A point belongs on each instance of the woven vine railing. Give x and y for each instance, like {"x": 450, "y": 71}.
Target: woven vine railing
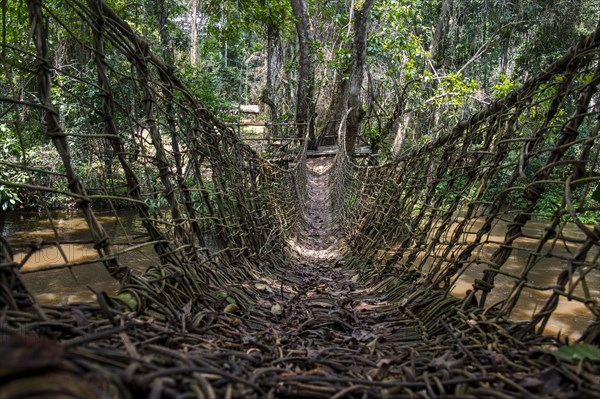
{"x": 409, "y": 307}
{"x": 142, "y": 140}
{"x": 519, "y": 177}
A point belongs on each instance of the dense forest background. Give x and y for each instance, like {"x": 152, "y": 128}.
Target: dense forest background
{"x": 400, "y": 71}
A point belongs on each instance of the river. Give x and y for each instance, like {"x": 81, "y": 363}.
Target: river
{"x": 570, "y": 317}
{"x": 64, "y": 287}
{"x": 55, "y": 287}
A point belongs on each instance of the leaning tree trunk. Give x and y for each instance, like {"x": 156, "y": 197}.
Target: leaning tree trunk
{"x": 357, "y": 114}
{"x": 305, "y": 101}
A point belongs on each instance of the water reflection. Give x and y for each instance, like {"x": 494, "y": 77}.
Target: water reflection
{"x": 571, "y": 317}
{"x": 63, "y": 286}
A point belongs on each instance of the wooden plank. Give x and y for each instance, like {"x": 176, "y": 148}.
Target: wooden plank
{"x": 324, "y": 151}
{"x": 331, "y": 150}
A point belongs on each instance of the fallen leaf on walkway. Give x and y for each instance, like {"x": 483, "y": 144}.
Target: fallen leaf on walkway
{"x": 318, "y": 371}
{"x": 321, "y": 303}
{"x": 372, "y": 345}
{"x": 230, "y": 300}
{"x": 263, "y": 287}
{"x": 382, "y": 370}
{"x": 276, "y": 309}
{"x": 578, "y": 352}
{"x": 231, "y": 308}
{"x": 446, "y": 361}
{"x": 361, "y": 335}
{"x": 263, "y": 303}
{"x": 187, "y": 309}
{"x": 531, "y": 382}
{"x": 364, "y": 306}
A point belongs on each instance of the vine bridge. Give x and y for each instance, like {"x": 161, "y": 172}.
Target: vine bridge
{"x": 331, "y": 279}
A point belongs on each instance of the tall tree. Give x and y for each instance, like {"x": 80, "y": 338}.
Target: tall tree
{"x": 346, "y": 98}
{"x": 194, "y": 33}
{"x": 162, "y": 15}
{"x": 268, "y": 95}
{"x": 356, "y": 113}
{"x": 438, "y": 45}
{"x": 305, "y": 101}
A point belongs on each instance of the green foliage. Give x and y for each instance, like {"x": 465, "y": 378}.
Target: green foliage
{"x": 10, "y": 150}
{"x": 40, "y": 154}
{"x": 578, "y": 352}
{"x": 129, "y": 299}
{"x": 210, "y": 84}
{"x": 454, "y": 90}
{"x": 9, "y": 196}
{"x": 504, "y": 86}
{"x": 341, "y": 60}
{"x": 398, "y": 40}
{"x": 156, "y": 204}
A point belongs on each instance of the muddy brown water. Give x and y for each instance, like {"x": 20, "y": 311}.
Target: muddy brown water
{"x": 63, "y": 287}
{"x": 570, "y": 317}
{"x": 55, "y": 287}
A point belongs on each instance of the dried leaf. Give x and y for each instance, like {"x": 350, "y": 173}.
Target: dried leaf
{"x": 382, "y": 370}
{"x": 276, "y": 309}
{"x": 372, "y": 345}
{"x": 187, "y": 309}
{"x": 364, "y": 306}
{"x": 447, "y": 362}
{"x": 231, "y": 308}
{"x": 361, "y": 335}
{"x": 263, "y": 287}
{"x": 531, "y": 382}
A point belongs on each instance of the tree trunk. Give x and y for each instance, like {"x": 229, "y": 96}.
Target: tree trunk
{"x": 194, "y": 33}
{"x": 269, "y": 95}
{"x": 3, "y": 54}
{"x": 38, "y": 28}
{"x": 305, "y": 101}
{"x": 356, "y": 115}
{"x": 167, "y": 94}
{"x": 162, "y": 17}
{"x": 339, "y": 103}
{"x": 400, "y": 126}
{"x": 438, "y": 42}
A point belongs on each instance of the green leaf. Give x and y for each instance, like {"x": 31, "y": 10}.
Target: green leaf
{"x": 230, "y": 300}
{"x": 220, "y": 294}
{"x": 578, "y": 352}
{"x": 129, "y": 300}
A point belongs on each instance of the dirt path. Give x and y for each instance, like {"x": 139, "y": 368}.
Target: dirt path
{"x": 315, "y": 245}
{"x": 330, "y": 333}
